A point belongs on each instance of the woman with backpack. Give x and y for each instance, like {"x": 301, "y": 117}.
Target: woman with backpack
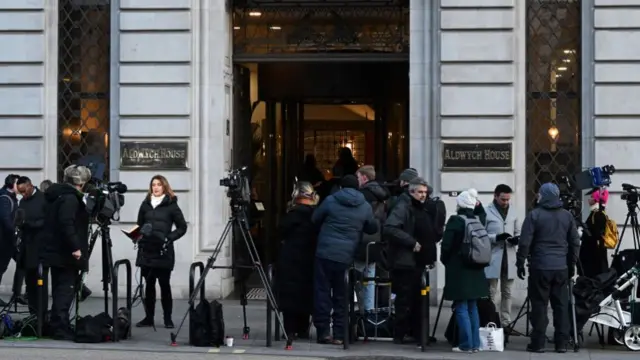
{"x": 464, "y": 284}
{"x": 158, "y": 213}
{"x": 593, "y": 252}
{"x": 294, "y": 274}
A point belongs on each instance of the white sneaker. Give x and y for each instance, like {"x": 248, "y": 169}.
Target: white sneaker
{"x": 457, "y": 349}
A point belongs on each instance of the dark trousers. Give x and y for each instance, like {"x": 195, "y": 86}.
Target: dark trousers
{"x": 163, "y": 276}
{"x": 7, "y": 250}
{"x": 296, "y": 324}
{"x": 63, "y": 281}
{"x": 549, "y": 286}
{"x": 31, "y": 279}
{"x": 406, "y": 286}
{"x": 329, "y": 291}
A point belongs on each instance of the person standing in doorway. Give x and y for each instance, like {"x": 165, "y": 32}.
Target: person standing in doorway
{"x": 158, "y": 213}
{"x": 503, "y": 229}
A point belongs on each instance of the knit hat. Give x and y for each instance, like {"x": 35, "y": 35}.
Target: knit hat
{"x": 349, "y": 182}
{"x": 408, "y": 175}
{"x": 467, "y": 199}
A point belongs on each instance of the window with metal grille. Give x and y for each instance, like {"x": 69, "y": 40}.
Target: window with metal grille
{"x": 553, "y": 92}
{"x": 83, "y": 82}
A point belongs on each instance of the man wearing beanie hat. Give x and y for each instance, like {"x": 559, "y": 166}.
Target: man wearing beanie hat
{"x": 342, "y": 219}
{"x": 401, "y": 185}
{"x": 550, "y": 240}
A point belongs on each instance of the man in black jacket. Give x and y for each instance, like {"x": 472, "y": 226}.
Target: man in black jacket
{"x": 409, "y": 233}
{"x": 550, "y": 240}
{"x": 8, "y": 207}
{"x": 67, "y": 229}
{"x": 32, "y": 207}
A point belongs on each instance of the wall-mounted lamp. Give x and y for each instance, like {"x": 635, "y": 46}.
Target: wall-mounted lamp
{"x": 553, "y": 133}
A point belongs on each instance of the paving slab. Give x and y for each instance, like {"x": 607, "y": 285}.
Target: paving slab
{"x": 147, "y": 343}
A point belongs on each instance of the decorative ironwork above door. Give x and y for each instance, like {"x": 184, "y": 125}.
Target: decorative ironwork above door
{"x": 277, "y": 31}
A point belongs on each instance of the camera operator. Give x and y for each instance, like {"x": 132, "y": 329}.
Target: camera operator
{"x": 8, "y": 207}
{"x": 158, "y": 213}
{"x": 65, "y": 244}
{"x": 32, "y": 206}
{"x": 549, "y": 238}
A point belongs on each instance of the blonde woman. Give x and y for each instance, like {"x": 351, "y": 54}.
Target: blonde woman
{"x": 295, "y": 266}
{"x": 158, "y": 213}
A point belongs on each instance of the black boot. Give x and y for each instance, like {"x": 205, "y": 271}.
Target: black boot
{"x": 150, "y": 310}
{"x": 167, "y": 308}
{"x": 168, "y": 323}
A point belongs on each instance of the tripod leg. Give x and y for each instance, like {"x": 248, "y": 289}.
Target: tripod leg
{"x": 196, "y": 290}
{"x": 243, "y": 301}
{"x": 255, "y": 258}
{"x": 435, "y": 325}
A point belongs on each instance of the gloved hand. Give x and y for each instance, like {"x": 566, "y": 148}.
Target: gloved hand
{"x": 572, "y": 271}
{"x": 514, "y": 240}
{"x": 521, "y": 272}
{"x": 502, "y": 237}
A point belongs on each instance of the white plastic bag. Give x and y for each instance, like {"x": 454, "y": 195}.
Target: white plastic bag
{"x": 491, "y": 338}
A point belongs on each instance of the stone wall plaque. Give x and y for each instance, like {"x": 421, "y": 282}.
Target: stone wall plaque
{"x": 477, "y": 155}
{"x": 154, "y": 155}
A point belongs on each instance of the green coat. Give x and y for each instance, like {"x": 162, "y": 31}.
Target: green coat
{"x": 461, "y": 281}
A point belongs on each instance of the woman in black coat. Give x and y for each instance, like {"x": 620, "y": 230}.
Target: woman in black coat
{"x": 294, "y": 274}
{"x": 156, "y": 256}
{"x": 593, "y": 253}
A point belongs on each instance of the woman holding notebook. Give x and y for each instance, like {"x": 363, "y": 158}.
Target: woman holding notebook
{"x": 158, "y": 213}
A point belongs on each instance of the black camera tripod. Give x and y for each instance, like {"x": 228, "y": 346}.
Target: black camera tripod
{"x": 238, "y": 218}
{"x": 631, "y": 219}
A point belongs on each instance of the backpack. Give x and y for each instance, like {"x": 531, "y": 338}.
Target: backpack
{"x": 94, "y": 329}
{"x": 476, "y": 245}
{"x": 216, "y": 323}
{"x": 199, "y": 326}
{"x": 610, "y": 237}
{"x": 438, "y": 212}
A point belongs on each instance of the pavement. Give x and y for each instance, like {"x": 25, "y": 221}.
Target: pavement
{"x": 149, "y": 344}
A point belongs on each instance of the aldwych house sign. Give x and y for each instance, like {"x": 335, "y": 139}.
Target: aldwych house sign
{"x": 477, "y": 156}
{"x": 153, "y": 155}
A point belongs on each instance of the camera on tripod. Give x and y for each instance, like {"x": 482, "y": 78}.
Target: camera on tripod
{"x": 630, "y": 194}
{"x": 104, "y": 200}
{"x": 237, "y": 185}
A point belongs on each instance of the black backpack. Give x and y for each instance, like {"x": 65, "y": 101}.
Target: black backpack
{"x": 207, "y": 324}
{"x": 438, "y": 212}
{"x": 94, "y": 329}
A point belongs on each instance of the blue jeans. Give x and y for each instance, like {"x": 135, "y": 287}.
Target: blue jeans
{"x": 367, "y": 292}
{"x": 468, "y": 324}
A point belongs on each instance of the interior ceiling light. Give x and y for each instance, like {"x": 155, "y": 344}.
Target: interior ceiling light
{"x": 275, "y": 28}
{"x": 562, "y": 68}
{"x": 566, "y": 60}
{"x": 569, "y": 51}
{"x": 236, "y": 28}
{"x": 255, "y": 13}
{"x": 553, "y": 132}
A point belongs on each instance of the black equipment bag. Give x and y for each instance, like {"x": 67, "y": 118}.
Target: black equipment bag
{"x": 207, "y": 324}
{"x": 217, "y": 323}
{"x": 486, "y": 311}
{"x": 94, "y": 329}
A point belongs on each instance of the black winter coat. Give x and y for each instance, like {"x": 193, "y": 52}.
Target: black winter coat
{"x": 8, "y": 207}
{"x": 156, "y": 250}
{"x": 66, "y": 228}
{"x": 400, "y": 233}
{"x": 593, "y": 253}
{"x": 32, "y": 228}
{"x": 294, "y": 274}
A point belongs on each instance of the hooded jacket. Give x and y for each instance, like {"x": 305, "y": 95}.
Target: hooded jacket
{"x": 34, "y": 217}
{"x": 342, "y": 218}
{"x": 66, "y": 227}
{"x": 549, "y": 235}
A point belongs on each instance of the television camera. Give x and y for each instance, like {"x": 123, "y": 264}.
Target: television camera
{"x": 630, "y": 195}
{"x": 104, "y": 200}
{"x": 237, "y": 184}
